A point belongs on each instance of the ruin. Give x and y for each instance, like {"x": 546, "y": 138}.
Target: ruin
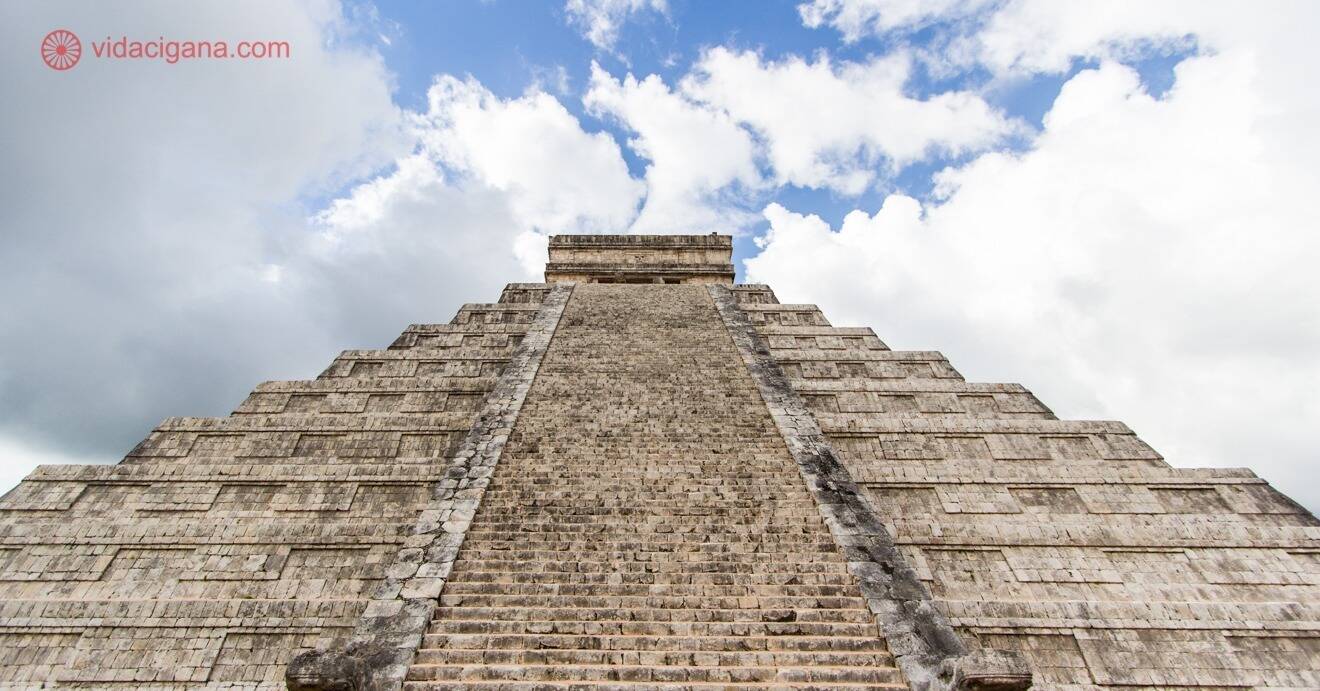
{"x": 641, "y": 475}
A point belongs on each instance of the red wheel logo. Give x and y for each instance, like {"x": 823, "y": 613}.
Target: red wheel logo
{"x": 61, "y": 49}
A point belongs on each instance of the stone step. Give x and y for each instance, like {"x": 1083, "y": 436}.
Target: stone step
{"x": 584, "y": 520}
{"x": 752, "y": 463}
{"x": 717, "y": 434}
{"x": 636, "y": 449}
{"x": 643, "y": 590}
{"x": 697, "y": 481}
{"x": 707, "y": 658}
{"x": 701, "y": 556}
{"x": 803, "y": 524}
{"x": 663, "y": 543}
{"x": 831, "y": 564}
{"x": 654, "y": 673}
{"x": 701, "y": 472}
{"x": 702, "y": 601}
{"x": 692, "y": 554}
{"x": 622, "y": 517}
{"x": 610, "y": 537}
{"x": 588, "y": 525}
{"x": 758, "y": 476}
{"x": 624, "y": 505}
{"x": 542, "y": 685}
{"x": 588, "y": 514}
{"x": 705, "y": 434}
{"x": 792, "y": 502}
{"x": 728, "y": 644}
{"x": 839, "y": 578}
{"x": 615, "y": 491}
{"x": 686, "y": 535}
{"x": 561, "y": 435}
{"x": 615, "y": 480}
{"x": 654, "y": 628}
{"x": 637, "y": 489}
{"x": 510, "y": 612}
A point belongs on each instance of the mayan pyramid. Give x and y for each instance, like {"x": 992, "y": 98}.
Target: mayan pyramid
{"x": 638, "y": 475}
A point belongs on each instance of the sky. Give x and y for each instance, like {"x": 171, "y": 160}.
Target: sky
{"x": 1111, "y": 203}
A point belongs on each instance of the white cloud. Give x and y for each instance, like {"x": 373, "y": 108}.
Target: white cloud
{"x": 555, "y": 80}
{"x": 860, "y": 115}
{"x": 558, "y": 177}
{"x": 408, "y": 247}
{"x": 1149, "y": 260}
{"x": 366, "y": 205}
{"x": 1016, "y": 37}
{"x": 858, "y": 18}
{"x": 599, "y": 20}
{"x": 706, "y": 140}
{"x": 1027, "y": 36}
{"x": 490, "y": 180}
{"x": 696, "y": 154}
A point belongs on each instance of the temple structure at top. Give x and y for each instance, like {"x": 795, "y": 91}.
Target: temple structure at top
{"x": 640, "y": 259}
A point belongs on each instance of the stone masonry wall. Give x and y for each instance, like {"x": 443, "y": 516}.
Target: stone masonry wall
{"x": 1072, "y": 542}
{"x": 220, "y": 547}
{"x": 642, "y": 486}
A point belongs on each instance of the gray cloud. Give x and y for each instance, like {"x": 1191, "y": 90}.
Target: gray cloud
{"x": 142, "y": 203}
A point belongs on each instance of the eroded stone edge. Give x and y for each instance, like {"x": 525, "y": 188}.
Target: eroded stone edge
{"x": 400, "y": 610}
{"x": 928, "y": 650}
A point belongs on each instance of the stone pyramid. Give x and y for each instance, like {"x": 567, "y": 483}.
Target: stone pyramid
{"x": 639, "y": 475}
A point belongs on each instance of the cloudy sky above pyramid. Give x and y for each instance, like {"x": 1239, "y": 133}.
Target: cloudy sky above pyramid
{"x": 1112, "y": 203}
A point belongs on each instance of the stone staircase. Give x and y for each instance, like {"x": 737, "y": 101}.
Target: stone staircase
{"x": 646, "y": 526}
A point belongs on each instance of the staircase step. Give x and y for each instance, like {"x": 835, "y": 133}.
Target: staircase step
{"x": 702, "y": 601}
{"x": 575, "y": 685}
{"x": 650, "y": 614}
{"x": 732, "y": 644}
{"x": 656, "y": 628}
{"x": 718, "y": 658}
{"x": 571, "y": 541}
{"x": 652, "y": 673}
{"x": 692, "y": 554}
{"x": 745, "y": 566}
{"x": 642, "y": 590}
{"x": 840, "y": 578}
